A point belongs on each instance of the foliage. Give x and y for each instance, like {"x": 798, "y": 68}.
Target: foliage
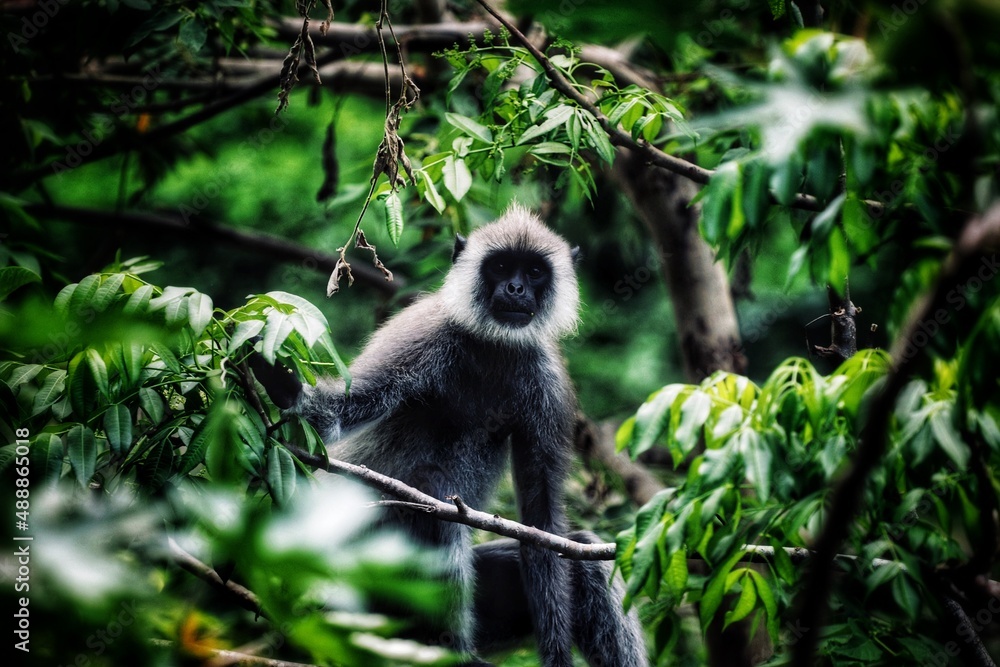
{"x": 145, "y": 400}
{"x": 760, "y": 462}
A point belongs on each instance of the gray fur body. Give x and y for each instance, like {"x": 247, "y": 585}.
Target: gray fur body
{"x": 442, "y": 398}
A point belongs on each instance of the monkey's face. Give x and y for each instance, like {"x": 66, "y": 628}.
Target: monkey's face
{"x": 515, "y": 285}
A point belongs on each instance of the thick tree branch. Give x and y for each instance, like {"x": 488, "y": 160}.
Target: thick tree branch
{"x": 978, "y": 235}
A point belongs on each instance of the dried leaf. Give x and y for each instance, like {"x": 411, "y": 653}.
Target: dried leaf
{"x": 362, "y": 244}
{"x": 341, "y": 270}
{"x": 303, "y": 45}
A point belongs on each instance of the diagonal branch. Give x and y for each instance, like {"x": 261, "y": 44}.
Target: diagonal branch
{"x": 619, "y": 137}
{"x": 979, "y": 234}
{"x": 455, "y": 513}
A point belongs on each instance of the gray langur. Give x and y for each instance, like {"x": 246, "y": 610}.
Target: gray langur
{"x": 442, "y": 397}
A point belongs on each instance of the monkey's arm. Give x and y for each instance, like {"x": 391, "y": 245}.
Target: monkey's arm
{"x": 327, "y": 406}
{"x": 539, "y": 460}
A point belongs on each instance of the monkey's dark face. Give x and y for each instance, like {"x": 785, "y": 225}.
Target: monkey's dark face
{"x": 515, "y": 284}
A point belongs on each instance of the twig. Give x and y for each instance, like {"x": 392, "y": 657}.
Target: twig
{"x": 227, "y": 657}
{"x": 459, "y": 512}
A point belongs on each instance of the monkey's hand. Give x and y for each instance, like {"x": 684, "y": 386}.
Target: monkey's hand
{"x": 282, "y": 385}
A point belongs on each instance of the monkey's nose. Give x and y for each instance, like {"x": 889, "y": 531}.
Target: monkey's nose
{"x": 515, "y": 288}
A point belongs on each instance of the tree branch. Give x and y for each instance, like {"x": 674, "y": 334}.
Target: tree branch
{"x": 244, "y": 596}
{"x": 274, "y": 247}
{"x": 464, "y": 514}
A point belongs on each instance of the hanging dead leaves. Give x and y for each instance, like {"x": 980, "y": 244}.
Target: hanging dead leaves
{"x": 391, "y": 153}
{"x": 302, "y": 47}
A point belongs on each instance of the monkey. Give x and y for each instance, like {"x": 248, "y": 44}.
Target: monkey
{"x": 450, "y": 391}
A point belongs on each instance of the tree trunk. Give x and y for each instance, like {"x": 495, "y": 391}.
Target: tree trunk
{"x": 698, "y": 285}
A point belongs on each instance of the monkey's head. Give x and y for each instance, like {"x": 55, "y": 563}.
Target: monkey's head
{"x": 513, "y": 281}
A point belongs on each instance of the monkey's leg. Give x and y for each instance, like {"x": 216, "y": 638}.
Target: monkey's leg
{"x": 605, "y": 635}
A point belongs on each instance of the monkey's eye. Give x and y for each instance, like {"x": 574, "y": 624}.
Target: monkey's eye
{"x": 535, "y": 271}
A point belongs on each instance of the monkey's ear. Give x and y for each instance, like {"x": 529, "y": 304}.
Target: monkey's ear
{"x": 460, "y": 242}
{"x": 575, "y": 254}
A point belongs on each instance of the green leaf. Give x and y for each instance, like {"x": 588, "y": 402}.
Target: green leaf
{"x": 947, "y": 437}
{"x": 156, "y": 467}
{"x": 152, "y": 404}
{"x": 277, "y": 330}
{"x": 199, "y": 313}
{"x": 470, "y": 127}
{"x": 822, "y": 224}
{"x": 81, "y": 384}
{"x": 281, "y": 477}
{"x": 193, "y": 34}
{"x": 840, "y": 258}
{"x": 394, "y": 216}
{"x": 599, "y": 141}
{"x": 457, "y": 179}
{"x": 46, "y": 458}
{"x": 676, "y": 574}
{"x": 653, "y": 418}
{"x": 138, "y": 301}
{"x": 766, "y": 596}
{"x": 106, "y": 293}
{"x": 554, "y": 118}
{"x": 244, "y": 331}
{"x": 906, "y": 596}
{"x": 98, "y": 371}
{"x": 431, "y": 193}
{"x": 717, "y": 201}
{"x": 83, "y": 295}
{"x": 757, "y": 457}
{"x": 194, "y": 453}
{"x": 13, "y": 277}
{"x": 694, "y": 412}
{"x": 745, "y": 604}
{"x": 81, "y": 448}
{"x": 717, "y": 589}
{"x": 51, "y": 391}
{"x": 23, "y": 374}
{"x": 118, "y": 429}
{"x": 303, "y": 306}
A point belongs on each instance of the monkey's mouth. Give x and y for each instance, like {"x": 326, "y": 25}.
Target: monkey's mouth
{"x": 514, "y": 318}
